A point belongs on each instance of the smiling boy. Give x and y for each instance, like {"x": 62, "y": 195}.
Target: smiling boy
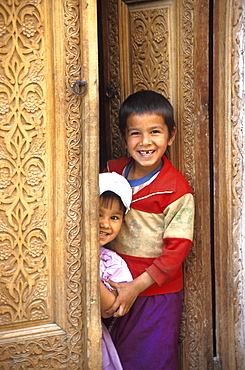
{"x": 155, "y": 237}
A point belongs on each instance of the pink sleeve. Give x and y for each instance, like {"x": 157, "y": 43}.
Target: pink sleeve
{"x": 113, "y": 267}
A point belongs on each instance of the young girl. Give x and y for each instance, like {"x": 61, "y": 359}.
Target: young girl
{"x": 115, "y": 199}
{"x": 155, "y": 237}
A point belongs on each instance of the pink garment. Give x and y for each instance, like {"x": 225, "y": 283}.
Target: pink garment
{"x": 113, "y": 267}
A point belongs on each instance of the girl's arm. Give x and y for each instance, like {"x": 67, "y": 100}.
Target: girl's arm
{"x": 107, "y": 298}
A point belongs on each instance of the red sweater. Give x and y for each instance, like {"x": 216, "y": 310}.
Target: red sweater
{"x": 157, "y": 232}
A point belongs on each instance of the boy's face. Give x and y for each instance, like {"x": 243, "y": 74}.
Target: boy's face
{"x": 147, "y": 138}
{"x": 111, "y": 219}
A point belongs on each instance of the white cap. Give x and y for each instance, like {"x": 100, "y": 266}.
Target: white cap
{"x": 112, "y": 181}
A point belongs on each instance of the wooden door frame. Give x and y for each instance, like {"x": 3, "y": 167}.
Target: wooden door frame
{"x": 47, "y": 46}
{"x": 228, "y": 171}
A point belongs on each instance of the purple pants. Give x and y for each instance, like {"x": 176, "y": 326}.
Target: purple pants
{"x": 147, "y": 337}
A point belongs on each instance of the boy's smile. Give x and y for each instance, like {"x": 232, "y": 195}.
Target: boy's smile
{"x": 147, "y": 139}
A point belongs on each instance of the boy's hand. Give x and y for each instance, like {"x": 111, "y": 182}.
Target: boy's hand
{"x": 127, "y": 294}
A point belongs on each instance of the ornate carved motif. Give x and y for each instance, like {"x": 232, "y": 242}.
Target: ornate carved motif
{"x": 150, "y": 54}
{"x": 47, "y": 353}
{"x": 24, "y": 246}
{"x": 23, "y": 226}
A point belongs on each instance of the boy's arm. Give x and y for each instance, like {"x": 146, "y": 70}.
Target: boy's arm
{"x": 127, "y": 294}
{"x": 177, "y": 238}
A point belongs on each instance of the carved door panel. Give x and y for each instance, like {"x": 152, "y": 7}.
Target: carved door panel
{"x": 49, "y": 316}
{"x": 151, "y": 45}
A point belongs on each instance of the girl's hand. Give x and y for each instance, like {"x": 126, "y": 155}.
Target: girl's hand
{"x": 127, "y": 294}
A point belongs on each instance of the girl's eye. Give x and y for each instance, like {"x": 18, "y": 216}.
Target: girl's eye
{"x": 114, "y": 218}
{"x": 135, "y": 133}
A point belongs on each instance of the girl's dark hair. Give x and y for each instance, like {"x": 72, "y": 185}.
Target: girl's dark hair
{"x": 146, "y": 101}
{"x": 107, "y": 198}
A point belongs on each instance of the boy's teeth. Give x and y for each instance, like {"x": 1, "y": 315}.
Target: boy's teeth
{"x": 146, "y": 151}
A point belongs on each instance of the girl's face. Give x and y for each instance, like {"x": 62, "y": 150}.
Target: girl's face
{"x": 111, "y": 219}
{"x": 147, "y": 138}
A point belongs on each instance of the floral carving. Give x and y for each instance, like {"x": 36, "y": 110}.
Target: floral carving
{"x": 150, "y": 55}
{"x": 3, "y": 28}
{"x": 4, "y": 104}
{"x": 36, "y": 247}
{"x": 5, "y": 178}
{"x": 22, "y": 168}
{"x": 139, "y": 36}
{"x": 25, "y": 287}
{"x": 159, "y": 33}
{"x": 32, "y": 103}
{"x": 5, "y": 248}
{"x": 34, "y": 175}
{"x": 3, "y": 297}
{"x": 29, "y": 26}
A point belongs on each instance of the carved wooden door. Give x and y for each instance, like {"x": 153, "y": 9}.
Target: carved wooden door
{"x": 49, "y": 316}
{"x": 151, "y": 45}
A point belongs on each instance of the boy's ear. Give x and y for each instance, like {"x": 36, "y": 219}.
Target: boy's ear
{"x": 172, "y": 136}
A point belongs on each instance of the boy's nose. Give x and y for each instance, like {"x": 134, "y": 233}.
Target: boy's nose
{"x": 146, "y": 140}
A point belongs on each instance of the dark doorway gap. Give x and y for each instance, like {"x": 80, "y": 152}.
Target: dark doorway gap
{"x": 102, "y": 123}
{"x": 211, "y": 163}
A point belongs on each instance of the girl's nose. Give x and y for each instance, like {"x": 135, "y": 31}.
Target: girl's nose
{"x": 104, "y": 222}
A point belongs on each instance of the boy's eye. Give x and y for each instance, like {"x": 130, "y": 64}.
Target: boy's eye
{"x": 155, "y": 132}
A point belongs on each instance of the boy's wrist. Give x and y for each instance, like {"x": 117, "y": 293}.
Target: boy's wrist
{"x": 143, "y": 282}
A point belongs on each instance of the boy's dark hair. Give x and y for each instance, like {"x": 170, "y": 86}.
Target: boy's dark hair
{"x": 146, "y": 101}
{"x": 107, "y": 198}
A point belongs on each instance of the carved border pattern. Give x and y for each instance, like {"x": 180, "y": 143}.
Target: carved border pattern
{"x": 237, "y": 120}
{"x": 188, "y": 89}
{"x": 47, "y": 353}
{"x": 114, "y": 76}
{"x": 189, "y": 325}
{"x": 74, "y": 180}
